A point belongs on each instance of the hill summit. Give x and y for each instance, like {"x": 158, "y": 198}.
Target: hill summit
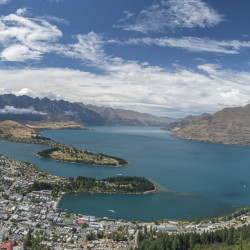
{"x": 228, "y": 126}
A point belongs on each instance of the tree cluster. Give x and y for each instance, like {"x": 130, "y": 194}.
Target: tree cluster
{"x": 119, "y": 184}
{"x": 161, "y": 240}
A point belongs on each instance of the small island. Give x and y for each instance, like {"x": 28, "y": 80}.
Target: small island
{"x": 71, "y": 154}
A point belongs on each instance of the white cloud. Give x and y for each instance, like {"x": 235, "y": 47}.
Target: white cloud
{"x": 193, "y": 44}
{"x": 20, "y": 111}
{"x": 70, "y": 113}
{"x": 3, "y": 91}
{"x": 192, "y": 13}
{"x": 89, "y": 48}
{"x": 127, "y": 15}
{"x": 139, "y": 87}
{"x": 54, "y": 19}
{"x": 171, "y": 14}
{"x": 24, "y": 38}
{"x": 21, "y": 11}
{"x": 57, "y": 1}
{"x": 19, "y": 53}
{"x": 4, "y": 1}
{"x": 25, "y": 91}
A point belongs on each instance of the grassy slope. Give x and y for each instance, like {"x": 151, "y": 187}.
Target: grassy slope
{"x": 72, "y": 154}
{"x": 228, "y": 126}
{"x": 16, "y": 130}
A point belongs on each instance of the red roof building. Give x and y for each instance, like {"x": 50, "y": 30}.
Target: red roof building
{"x": 81, "y": 222}
{"x": 7, "y": 246}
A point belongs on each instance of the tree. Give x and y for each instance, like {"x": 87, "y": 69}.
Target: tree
{"x": 145, "y": 231}
{"x": 240, "y": 244}
{"x": 230, "y": 235}
{"x": 28, "y": 241}
{"x": 191, "y": 241}
{"x": 139, "y": 237}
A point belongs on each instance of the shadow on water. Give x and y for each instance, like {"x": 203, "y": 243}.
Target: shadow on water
{"x": 162, "y": 189}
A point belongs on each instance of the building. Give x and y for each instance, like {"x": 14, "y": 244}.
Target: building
{"x": 7, "y": 246}
{"x": 81, "y": 222}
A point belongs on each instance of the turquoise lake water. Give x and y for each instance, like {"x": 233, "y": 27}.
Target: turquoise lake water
{"x": 213, "y": 175}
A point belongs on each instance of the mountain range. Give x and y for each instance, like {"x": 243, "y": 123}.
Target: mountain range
{"x": 228, "y": 126}
{"x": 26, "y": 109}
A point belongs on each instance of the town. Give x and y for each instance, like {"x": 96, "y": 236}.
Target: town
{"x": 30, "y": 218}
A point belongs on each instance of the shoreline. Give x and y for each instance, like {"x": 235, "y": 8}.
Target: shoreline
{"x": 196, "y": 221}
{"x": 146, "y": 192}
{"x": 94, "y": 192}
{"x": 207, "y": 141}
{"x": 57, "y": 202}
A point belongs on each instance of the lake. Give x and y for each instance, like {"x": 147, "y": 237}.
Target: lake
{"x": 209, "y": 179}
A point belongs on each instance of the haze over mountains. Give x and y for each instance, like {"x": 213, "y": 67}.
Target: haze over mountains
{"x": 26, "y": 109}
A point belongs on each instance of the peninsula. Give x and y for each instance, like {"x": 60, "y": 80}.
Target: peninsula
{"x": 13, "y": 131}
{"x": 72, "y": 154}
{"x": 16, "y": 132}
{"x": 117, "y": 184}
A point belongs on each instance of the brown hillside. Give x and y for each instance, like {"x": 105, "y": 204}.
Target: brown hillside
{"x": 228, "y": 126}
{"x": 16, "y": 130}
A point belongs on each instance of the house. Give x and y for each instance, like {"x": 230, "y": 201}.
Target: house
{"x": 166, "y": 228}
{"x": 81, "y": 222}
{"x": 7, "y": 246}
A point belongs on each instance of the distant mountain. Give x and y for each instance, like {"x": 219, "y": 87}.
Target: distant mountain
{"x": 26, "y": 109}
{"x": 228, "y": 126}
{"x": 183, "y": 122}
{"x": 170, "y": 119}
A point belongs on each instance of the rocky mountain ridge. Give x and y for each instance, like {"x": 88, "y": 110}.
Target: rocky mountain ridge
{"x": 27, "y": 109}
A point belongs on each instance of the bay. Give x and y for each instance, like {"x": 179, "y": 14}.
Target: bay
{"x": 216, "y": 177}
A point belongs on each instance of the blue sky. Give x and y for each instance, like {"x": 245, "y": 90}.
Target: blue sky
{"x": 164, "y": 57}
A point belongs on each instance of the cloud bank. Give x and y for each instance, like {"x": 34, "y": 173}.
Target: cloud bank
{"x": 20, "y": 111}
{"x": 142, "y": 88}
